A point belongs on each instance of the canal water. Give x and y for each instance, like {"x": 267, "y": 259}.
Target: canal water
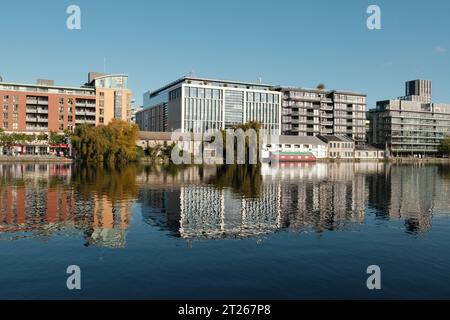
{"x": 301, "y": 232}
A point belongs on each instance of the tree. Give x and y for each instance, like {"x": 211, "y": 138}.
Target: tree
{"x": 42, "y": 137}
{"x": 321, "y": 86}
{"x": 252, "y": 125}
{"x": 55, "y": 138}
{"x": 114, "y": 143}
{"x": 444, "y": 147}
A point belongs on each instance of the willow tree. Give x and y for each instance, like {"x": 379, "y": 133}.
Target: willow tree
{"x": 114, "y": 143}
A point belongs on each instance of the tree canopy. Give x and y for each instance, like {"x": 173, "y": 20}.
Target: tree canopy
{"x": 444, "y": 147}
{"x": 114, "y": 143}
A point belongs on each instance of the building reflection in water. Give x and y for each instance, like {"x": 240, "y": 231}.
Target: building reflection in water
{"x": 41, "y": 200}
{"x": 311, "y": 197}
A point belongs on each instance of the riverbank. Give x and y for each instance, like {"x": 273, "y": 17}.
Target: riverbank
{"x": 35, "y": 159}
{"x": 418, "y": 160}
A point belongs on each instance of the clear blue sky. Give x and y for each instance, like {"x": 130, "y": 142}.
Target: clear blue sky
{"x": 295, "y": 43}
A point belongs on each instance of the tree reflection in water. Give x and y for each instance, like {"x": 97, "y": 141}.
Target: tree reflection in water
{"x": 47, "y": 200}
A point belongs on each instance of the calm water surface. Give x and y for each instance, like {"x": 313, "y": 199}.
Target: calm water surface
{"x": 206, "y": 233}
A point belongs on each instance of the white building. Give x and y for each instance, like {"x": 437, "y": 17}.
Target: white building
{"x": 296, "y": 144}
{"x": 198, "y": 104}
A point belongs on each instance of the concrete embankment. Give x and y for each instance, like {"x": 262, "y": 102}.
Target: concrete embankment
{"x": 34, "y": 159}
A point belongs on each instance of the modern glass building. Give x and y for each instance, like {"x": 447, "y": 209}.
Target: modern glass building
{"x": 198, "y": 104}
{"x": 408, "y": 127}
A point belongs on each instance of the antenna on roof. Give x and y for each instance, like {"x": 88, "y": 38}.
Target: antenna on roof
{"x": 1, "y": 79}
{"x": 259, "y": 79}
{"x": 191, "y": 73}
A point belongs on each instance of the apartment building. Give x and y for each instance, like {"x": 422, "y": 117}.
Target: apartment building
{"x": 45, "y": 107}
{"x": 196, "y": 105}
{"x": 408, "y": 127}
{"x": 313, "y": 112}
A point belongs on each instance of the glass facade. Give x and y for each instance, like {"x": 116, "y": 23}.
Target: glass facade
{"x": 405, "y": 127}
{"x": 203, "y": 109}
{"x": 112, "y": 82}
{"x": 198, "y": 105}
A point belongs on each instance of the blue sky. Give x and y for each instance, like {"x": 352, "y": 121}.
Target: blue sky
{"x": 294, "y": 43}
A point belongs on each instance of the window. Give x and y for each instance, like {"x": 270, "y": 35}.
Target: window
{"x": 101, "y": 120}
{"x": 297, "y": 146}
{"x": 102, "y": 111}
{"x": 61, "y": 109}
{"x": 288, "y": 146}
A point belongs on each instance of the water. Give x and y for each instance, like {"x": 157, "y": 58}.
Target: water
{"x": 206, "y": 233}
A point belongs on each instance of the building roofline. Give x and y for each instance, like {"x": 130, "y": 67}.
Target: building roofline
{"x": 44, "y": 86}
{"x": 110, "y": 75}
{"x": 318, "y": 90}
{"x": 186, "y": 78}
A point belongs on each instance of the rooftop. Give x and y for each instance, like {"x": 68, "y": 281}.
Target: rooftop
{"x": 208, "y": 80}
{"x": 300, "y": 140}
{"x": 30, "y": 85}
{"x": 315, "y": 90}
{"x": 332, "y": 138}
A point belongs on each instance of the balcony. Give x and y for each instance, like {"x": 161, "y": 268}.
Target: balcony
{"x": 37, "y": 128}
{"x": 31, "y": 101}
{"x": 327, "y": 115}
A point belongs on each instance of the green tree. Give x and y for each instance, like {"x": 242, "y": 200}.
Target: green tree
{"x": 321, "y": 86}
{"x": 55, "y": 138}
{"x": 114, "y": 143}
{"x": 256, "y": 126}
{"x": 42, "y": 137}
{"x": 444, "y": 147}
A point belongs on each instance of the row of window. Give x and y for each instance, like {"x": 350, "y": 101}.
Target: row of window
{"x": 341, "y": 154}
{"x": 341, "y": 145}
{"x": 203, "y": 93}
{"x": 289, "y": 146}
